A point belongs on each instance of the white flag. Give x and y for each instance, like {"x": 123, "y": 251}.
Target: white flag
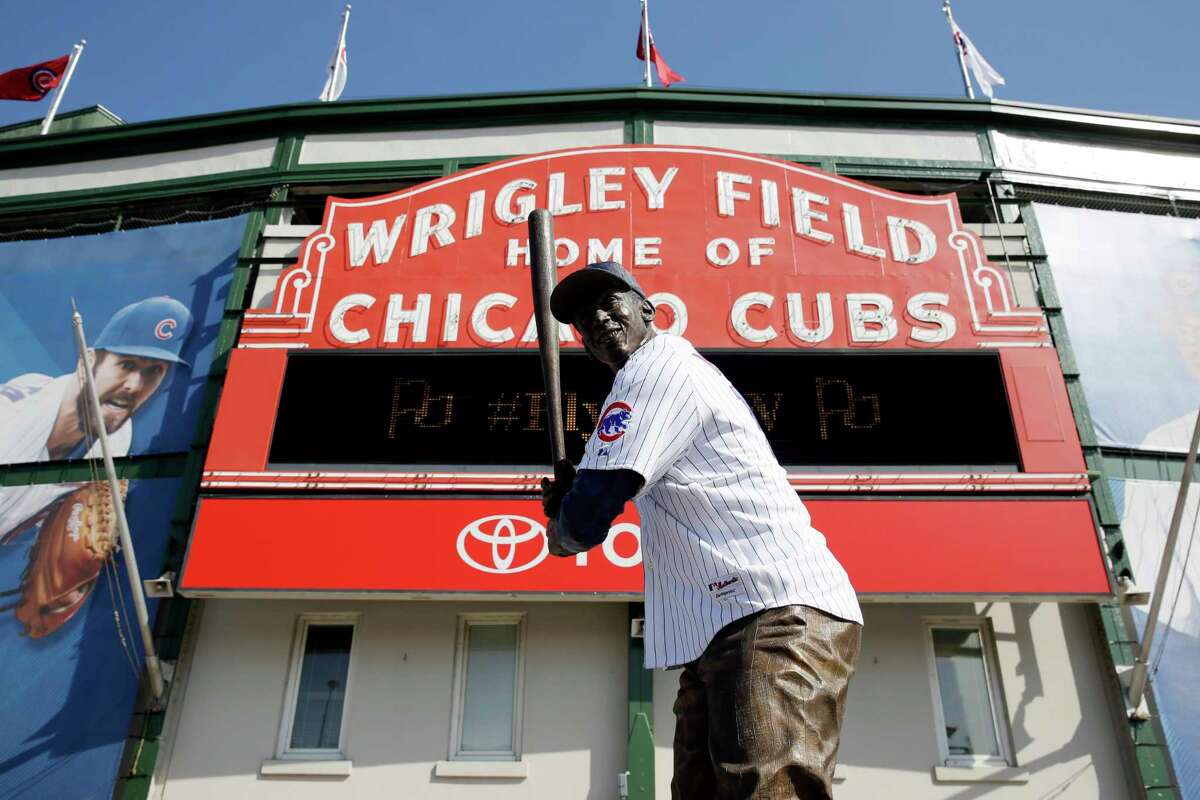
{"x": 985, "y": 74}
{"x": 335, "y": 81}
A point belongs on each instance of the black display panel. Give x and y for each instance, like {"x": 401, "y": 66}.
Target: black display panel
{"x": 476, "y": 410}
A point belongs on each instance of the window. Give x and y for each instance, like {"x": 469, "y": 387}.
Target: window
{"x": 488, "y": 680}
{"x": 314, "y": 719}
{"x": 972, "y": 723}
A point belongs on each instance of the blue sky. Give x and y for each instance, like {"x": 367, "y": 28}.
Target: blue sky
{"x": 170, "y": 58}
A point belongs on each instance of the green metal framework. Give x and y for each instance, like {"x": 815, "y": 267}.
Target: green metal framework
{"x": 640, "y": 750}
{"x": 637, "y": 109}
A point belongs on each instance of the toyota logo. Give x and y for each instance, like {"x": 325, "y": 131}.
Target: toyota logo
{"x": 503, "y": 544}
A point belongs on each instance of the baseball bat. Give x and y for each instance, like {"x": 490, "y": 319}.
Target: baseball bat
{"x": 545, "y": 267}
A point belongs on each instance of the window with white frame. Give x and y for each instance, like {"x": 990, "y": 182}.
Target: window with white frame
{"x": 318, "y": 690}
{"x": 488, "y": 687}
{"x": 972, "y": 723}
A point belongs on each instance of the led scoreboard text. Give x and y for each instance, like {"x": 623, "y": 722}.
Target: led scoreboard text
{"x": 488, "y": 410}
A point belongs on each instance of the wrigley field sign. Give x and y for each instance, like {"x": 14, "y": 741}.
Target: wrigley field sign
{"x": 735, "y": 249}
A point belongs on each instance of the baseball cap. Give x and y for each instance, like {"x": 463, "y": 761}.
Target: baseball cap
{"x": 584, "y": 284}
{"x": 152, "y": 328}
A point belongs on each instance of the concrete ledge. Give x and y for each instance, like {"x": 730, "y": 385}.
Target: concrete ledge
{"x": 301, "y": 767}
{"x": 481, "y": 769}
{"x": 980, "y": 774}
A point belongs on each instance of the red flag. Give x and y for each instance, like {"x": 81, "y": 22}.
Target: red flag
{"x": 666, "y": 75}
{"x": 33, "y": 82}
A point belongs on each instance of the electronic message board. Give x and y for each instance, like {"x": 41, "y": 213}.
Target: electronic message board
{"x": 424, "y": 409}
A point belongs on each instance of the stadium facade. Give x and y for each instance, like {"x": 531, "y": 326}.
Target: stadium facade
{"x": 999, "y": 302}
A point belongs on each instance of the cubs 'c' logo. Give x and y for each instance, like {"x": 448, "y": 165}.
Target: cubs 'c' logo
{"x": 165, "y": 329}
{"x": 614, "y": 421}
{"x": 42, "y": 80}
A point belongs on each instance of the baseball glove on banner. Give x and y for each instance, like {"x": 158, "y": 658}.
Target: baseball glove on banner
{"x": 75, "y": 540}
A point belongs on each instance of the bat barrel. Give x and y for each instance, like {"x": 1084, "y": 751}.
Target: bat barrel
{"x": 544, "y": 276}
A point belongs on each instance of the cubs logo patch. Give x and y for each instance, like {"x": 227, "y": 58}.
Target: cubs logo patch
{"x": 42, "y": 80}
{"x": 614, "y": 421}
{"x": 165, "y": 329}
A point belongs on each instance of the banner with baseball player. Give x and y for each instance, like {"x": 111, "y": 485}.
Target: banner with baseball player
{"x": 1145, "y": 508}
{"x": 1130, "y": 292}
{"x": 71, "y": 652}
{"x": 151, "y": 301}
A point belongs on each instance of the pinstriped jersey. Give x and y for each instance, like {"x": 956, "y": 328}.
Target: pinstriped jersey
{"x": 723, "y": 532}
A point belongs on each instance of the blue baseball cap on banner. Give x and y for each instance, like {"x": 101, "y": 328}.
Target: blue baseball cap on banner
{"x": 152, "y": 328}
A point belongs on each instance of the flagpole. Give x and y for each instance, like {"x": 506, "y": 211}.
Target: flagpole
{"x": 1137, "y": 679}
{"x": 646, "y": 39}
{"x": 962, "y": 59}
{"x": 342, "y": 35}
{"x": 345, "y": 25}
{"x": 131, "y": 568}
{"x": 76, "y": 52}
{"x": 341, "y": 48}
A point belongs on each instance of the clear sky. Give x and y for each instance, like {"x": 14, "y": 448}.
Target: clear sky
{"x": 170, "y": 58}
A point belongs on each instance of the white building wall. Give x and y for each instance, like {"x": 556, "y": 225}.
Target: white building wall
{"x": 508, "y": 140}
{"x": 398, "y": 724}
{"x": 1070, "y": 163}
{"x": 113, "y": 172}
{"x": 825, "y": 140}
{"x": 575, "y": 733}
{"x": 1062, "y": 731}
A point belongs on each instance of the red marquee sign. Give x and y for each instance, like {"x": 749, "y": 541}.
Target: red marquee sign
{"x": 428, "y": 547}
{"x": 739, "y": 252}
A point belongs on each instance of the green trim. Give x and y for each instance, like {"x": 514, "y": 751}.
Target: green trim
{"x": 166, "y": 465}
{"x": 1151, "y": 759}
{"x": 79, "y": 119}
{"x": 640, "y": 751}
{"x": 417, "y": 169}
{"x": 271, "y": 216}
{"x": 505, "y": 107}
{"x": 640, "y": 129}
{"x": 420, "y": 170}
{"x": 985, "y": 147}
{"x": 148, "y": 190}
{"x": 637, "y": 107}
{"x": 904, "y": 167}
{"x": 142, "y": 744}
{"x": 1135, "y": 465}
{"x": 287, "y": 152}
{"x": 286, "y": 169}
{"x": 859, "y": 169}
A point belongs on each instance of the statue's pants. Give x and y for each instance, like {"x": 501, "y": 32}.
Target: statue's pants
{"x": 759, "y": 714}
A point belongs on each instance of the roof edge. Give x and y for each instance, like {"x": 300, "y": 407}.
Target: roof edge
{"x": 288, "y": 118}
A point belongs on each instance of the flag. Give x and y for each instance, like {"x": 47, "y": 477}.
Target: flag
{"x": 666, "y": 75}
{"x": 335, "y": 82}
{"x": 33, "y": 82}
{"x": 985, "y": 74}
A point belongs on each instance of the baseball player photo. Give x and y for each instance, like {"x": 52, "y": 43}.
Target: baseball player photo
{"x": 55, "y": 538}
{"x": 740, "y": 590}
